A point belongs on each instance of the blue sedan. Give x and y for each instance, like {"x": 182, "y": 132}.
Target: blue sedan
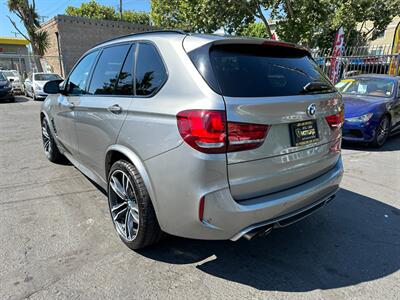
{"x": 372, "y": 108}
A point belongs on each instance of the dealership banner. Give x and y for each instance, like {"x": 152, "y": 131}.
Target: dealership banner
{"x": 338, "y": 48}
{"x": 394, "y": 65}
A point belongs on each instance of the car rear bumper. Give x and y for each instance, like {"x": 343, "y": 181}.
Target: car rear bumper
{"x": 236, "y": 219}
{"x": 180, "y": 178}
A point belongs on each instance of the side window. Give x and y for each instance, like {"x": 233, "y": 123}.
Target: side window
{"x": 150, "y": 70}
{"x": 79, "y": 76}
{"x": 125, "y": 79}
{"x": 107, "y": 70}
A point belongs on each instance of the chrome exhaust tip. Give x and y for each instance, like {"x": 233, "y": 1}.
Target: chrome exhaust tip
{"x": 262, "y": 231}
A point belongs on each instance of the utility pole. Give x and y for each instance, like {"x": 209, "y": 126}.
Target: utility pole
{"x": 43, "y": 18}
{"x": 120, "y": 9}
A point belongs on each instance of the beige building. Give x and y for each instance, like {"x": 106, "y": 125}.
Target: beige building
{"x": 386, "y": 38}
{"x": 70, "y": 37}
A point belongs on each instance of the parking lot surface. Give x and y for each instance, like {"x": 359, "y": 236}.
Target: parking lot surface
{"x": 57, "y": 240}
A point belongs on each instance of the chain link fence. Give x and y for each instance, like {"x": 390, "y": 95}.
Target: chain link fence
{"x": 25, "y": 64}
{"x": 376, "y": 59}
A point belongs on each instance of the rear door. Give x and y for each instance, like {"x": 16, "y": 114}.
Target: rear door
{"x": 102, "y": 111}
{"x": 278, "y": 85}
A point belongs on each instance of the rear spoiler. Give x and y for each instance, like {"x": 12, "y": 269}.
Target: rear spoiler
{"x": 192, "y": 42}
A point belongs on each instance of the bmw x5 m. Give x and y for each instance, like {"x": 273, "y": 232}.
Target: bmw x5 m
{"x": 198, "y": 136}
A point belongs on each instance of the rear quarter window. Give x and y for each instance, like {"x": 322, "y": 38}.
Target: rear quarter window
{"x": 150, "y": 70}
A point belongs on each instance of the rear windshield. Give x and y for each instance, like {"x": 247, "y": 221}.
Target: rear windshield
{"x": 264, "y": 71}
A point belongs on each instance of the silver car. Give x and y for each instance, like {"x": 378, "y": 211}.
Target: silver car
{"x": 33, "y": 85}
{"x": 198, "y": 136}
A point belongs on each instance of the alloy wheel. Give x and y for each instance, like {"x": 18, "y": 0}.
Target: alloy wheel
{"x": 382, "y": 130}
{"x": 123, "y": 205}
{"x": 47, "y": 143}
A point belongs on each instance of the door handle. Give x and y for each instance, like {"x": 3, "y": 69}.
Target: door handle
{"x": 115, "y": 109}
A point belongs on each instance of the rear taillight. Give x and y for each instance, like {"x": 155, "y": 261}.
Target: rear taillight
{"x": 208, "y": 131}
{"x": 244, "y": 136}
{"x": 336, "y": 121}
{"x": 204, "y": 130}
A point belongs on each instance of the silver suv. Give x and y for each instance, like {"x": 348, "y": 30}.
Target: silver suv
{"x": 198, "y": 136}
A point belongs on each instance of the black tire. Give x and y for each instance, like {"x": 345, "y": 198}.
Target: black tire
{"x": 50, "y": 147}
{"x": 380, "y": 137}
{"x": 148, "y": 231}
{"x": 12, "y": 99}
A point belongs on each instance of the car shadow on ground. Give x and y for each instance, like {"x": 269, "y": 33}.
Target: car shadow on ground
{"x": 353, "y": 239}
{"x": 392, "y": 144}
{"x": 18, "y": 99}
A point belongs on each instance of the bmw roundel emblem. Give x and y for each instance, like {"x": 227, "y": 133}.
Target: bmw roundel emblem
{"x": 312, "y": 109}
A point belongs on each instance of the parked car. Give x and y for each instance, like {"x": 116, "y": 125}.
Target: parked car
{"x": 372, "y": 108}
{"x": 6, "y": 91}
{"x": 198, "y": 136}
{"x": 15, "y": 79}
{"x": 34, "y": 84}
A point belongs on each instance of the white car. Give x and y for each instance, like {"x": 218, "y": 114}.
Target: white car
{"x": 35, "y": 82}
{"x": 15, "y": 79}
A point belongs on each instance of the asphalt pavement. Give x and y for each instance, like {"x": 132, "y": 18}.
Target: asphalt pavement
{"x": 57, "y": 240}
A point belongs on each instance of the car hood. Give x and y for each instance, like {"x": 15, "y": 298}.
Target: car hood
{"x": 355, "y": 106}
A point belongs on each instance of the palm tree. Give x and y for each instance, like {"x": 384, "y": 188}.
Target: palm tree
{"x": 26, "y": 12}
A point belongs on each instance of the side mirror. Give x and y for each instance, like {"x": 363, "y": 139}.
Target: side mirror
{"x": 11, "y": 79}
{"x": 52, "y": 87}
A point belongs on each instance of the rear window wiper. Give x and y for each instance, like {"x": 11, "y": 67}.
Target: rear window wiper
{"x": 317, "y": 86}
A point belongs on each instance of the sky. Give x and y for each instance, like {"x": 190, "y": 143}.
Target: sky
{"x": 50, "y": 8}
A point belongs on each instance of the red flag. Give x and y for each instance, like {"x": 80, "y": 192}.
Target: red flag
{"x": 338, "y": 47}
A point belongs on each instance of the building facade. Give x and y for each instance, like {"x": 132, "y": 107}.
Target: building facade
{"x": 14, "y": 54}
{"x": 386, "y": 37}
{"x": 70, "y": 37}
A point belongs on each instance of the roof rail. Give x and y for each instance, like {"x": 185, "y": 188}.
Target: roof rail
{"x": 144, "y": 32}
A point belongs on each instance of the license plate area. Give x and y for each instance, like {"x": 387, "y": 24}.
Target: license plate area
{"x": 304, "y": 133}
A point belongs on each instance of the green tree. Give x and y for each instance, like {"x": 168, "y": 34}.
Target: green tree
{"x": 94, "y": 10}
{"x": 255, "y": 29}
{"x": 310, "y": 22}
{"x": 137, "y": 17}
{"x": 205, "y": 16}
{"x": 28, "y": 16}
{"x": 314, "y": 22}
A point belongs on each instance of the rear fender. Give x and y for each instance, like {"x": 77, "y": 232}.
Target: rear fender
{"x": 137, "y": 162}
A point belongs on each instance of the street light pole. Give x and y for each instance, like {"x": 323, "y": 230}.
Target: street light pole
{"x": 120, "y": 9}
